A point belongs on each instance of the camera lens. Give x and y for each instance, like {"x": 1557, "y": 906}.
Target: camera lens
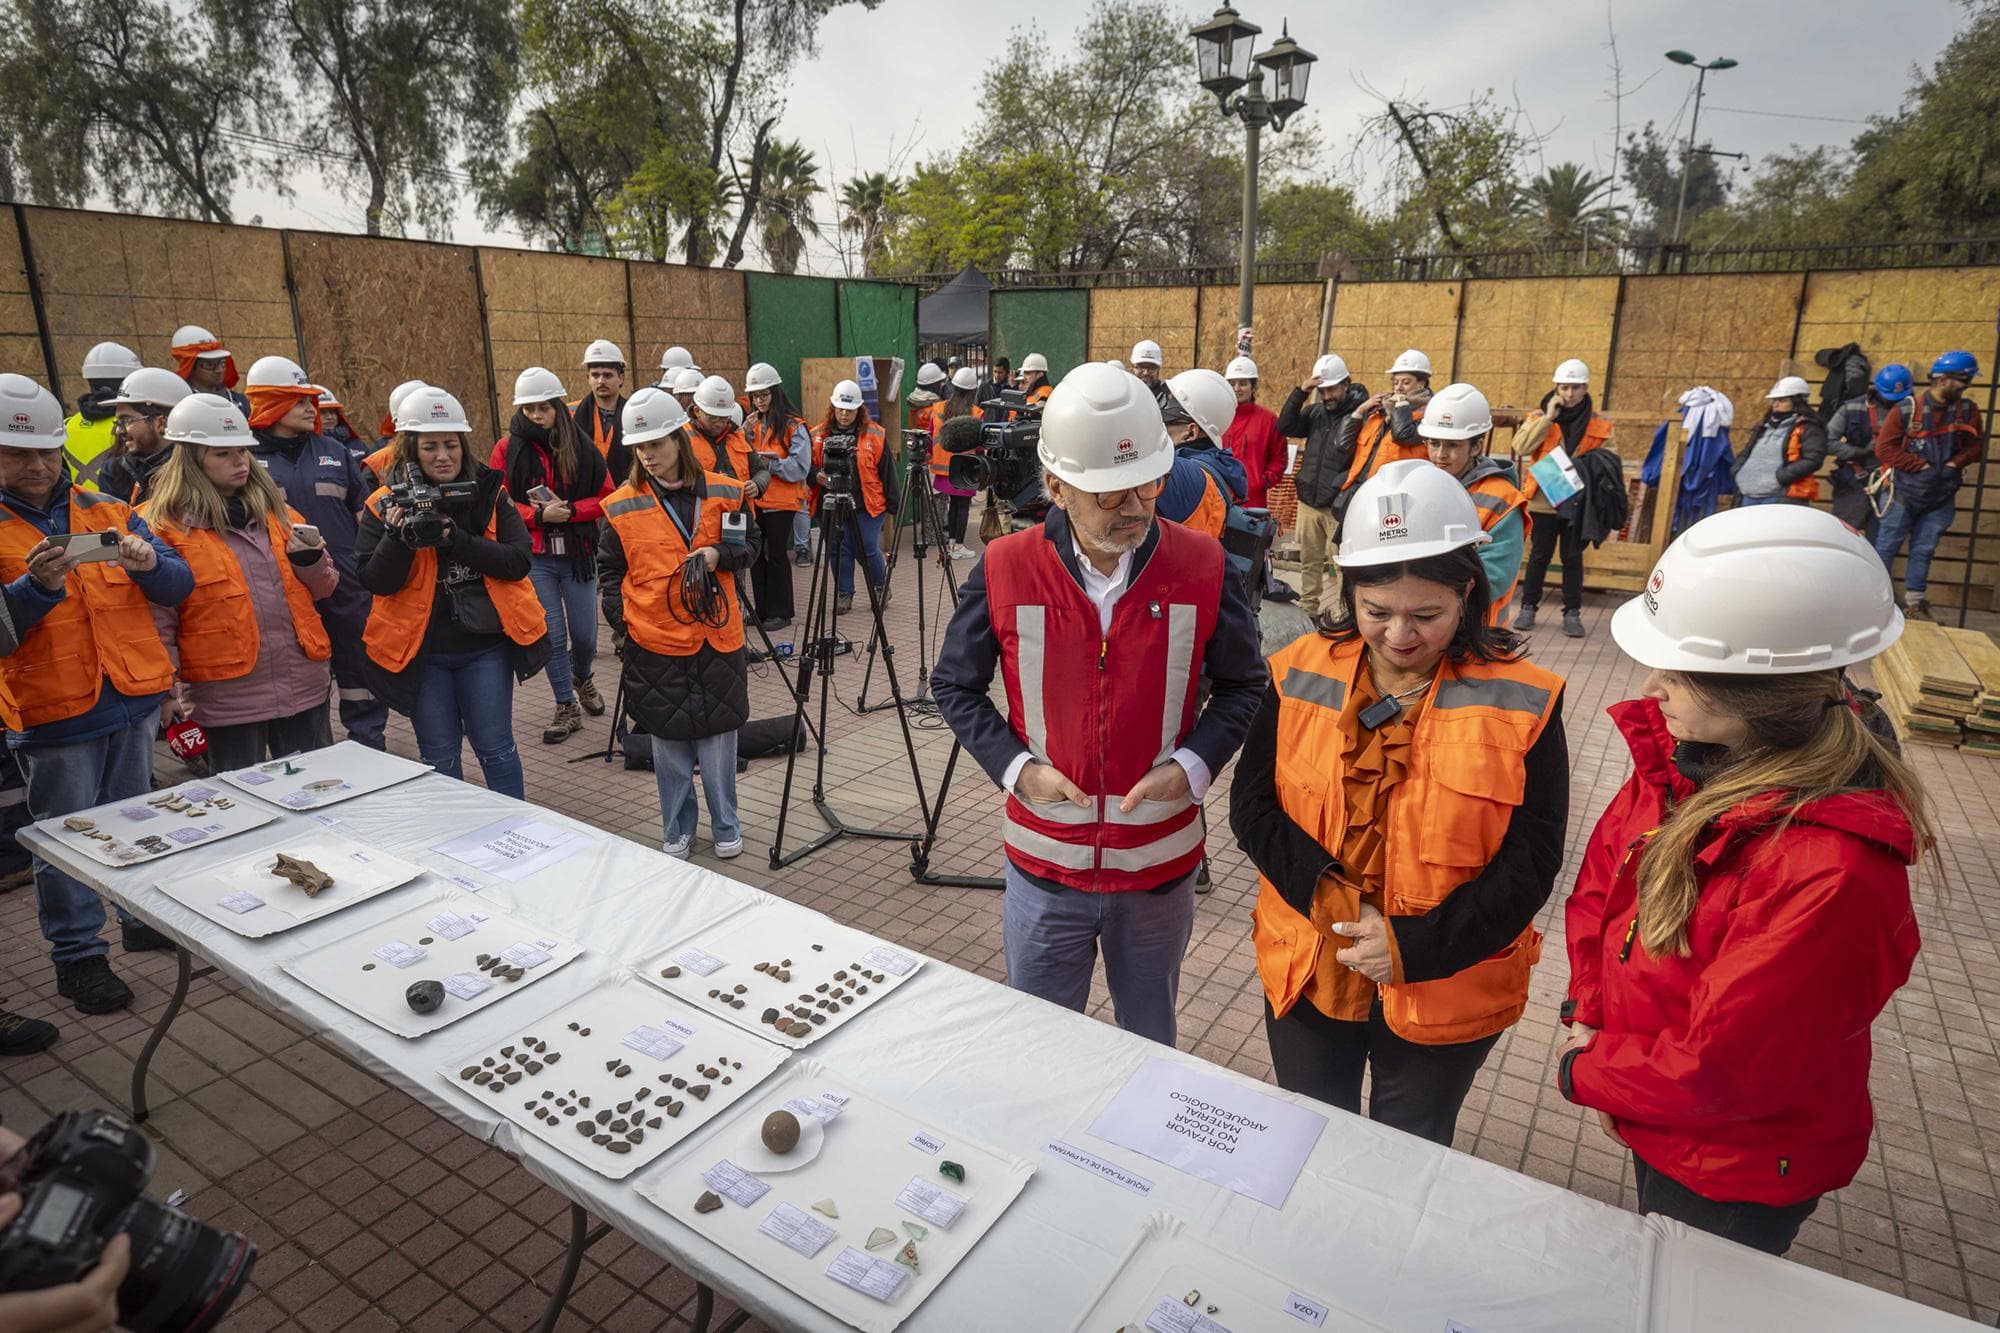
{"x": 185, "y": 1274}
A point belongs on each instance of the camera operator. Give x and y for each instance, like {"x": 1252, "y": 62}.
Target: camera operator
{"x": 868, "y": 473}
{"x": 1206, "y": 478}
{"x": 1035, "y": 386}
{"x": 675, "y": 537}
{"x": 85, "y": 1306}
{"x": 958, "y": 500}
{"x": 455, "y": 621}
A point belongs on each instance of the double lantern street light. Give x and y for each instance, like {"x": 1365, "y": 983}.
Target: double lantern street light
{"x": 1223, "y": 48}
{"x": 1687, "y": 154}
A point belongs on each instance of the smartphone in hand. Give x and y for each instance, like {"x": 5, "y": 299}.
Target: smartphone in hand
{"x": 82, "y": 547}
{"x": 542, "y": 495}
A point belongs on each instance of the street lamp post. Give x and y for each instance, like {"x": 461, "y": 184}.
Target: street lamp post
{"x": 1687, "y": 155}
{"x": 1223, "y": 47}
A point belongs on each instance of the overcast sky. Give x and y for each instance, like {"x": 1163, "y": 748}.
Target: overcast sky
{"x": 1807, "y": 73}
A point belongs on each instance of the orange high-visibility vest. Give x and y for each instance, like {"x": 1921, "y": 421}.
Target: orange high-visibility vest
{"x": 655, "y": 551}
{"x": 1596, "y": 434}
{"x": 732, "y": 447}
{"x": 867, "y": 460}
{"x": 1444, "y": 824}
{"x": 1495, "y": 497}
{"x": 218, "y": 633}
{"x": 776, "y": 446}
{"x": 1805, "y": 488}
{"x": 1212, "y": 514}
{"x": 103, "y": 627}
{"x": 396, "y": 623}
{"x": 1376, "y": 428}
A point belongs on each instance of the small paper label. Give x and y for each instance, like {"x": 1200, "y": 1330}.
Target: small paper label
{"x": 240, "y": 902}
{"x": 651, "y": 1041}
{"x": 938, "y": 1207}
{"x": 867, "y": 1274}
{"x": 550, "y": 945}
{"x": 398, "y": 954}
{"x": 822, "y": 1108}
{"x": 450, "y": 925}
{"x": 187, "y": 836}
{"x": 735, "y": 1184}
{"x": 1174, "y": 1316}
{"x": 1308, "y": 1311}
{"x": 297, "y": 800}
{"x": 923, "y": 1142}
{"x": 697, "y": 962}
{"x": 466, "y": 985}
{"x": 139, "y": 814}
{"x": 1096, "y": 1165}
{"x": 525, "y": 955}
{"x": 326, "y": 821}
{"x": 678, "y": 1028}
{"x": 197, "y": 792}
{"x": 801, "y": 1233}
{"x": 889, "y": 960}
{"x": 250, "y": 777}
{"x": 464, "y": 882}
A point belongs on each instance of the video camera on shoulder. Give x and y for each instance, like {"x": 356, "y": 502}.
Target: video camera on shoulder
{"x": 422, "y": 502}
{"x": 83, "y": 1178}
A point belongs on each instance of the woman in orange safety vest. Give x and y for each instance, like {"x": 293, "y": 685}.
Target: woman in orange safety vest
{"x": 455, "y": 622}
{"x": 248, "y": 645}
{"x": 964, "y": 402}
{"x": 779, "y": 435}
{"x": 1403, "y": 793}
{"x": 875, "y": 489}
{"x": 667, "y": 570}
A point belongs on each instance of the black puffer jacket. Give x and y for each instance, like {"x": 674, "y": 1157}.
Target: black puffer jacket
{"x": 676, "y": 698}
{"x": 1322, "y": 465}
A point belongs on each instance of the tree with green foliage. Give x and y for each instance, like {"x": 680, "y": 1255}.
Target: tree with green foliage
{"x": 1454, "y": 173}
{"x": 1653, "y": 167}
{"x": 867, "y": 204}
{"x": 784, "y": 207}
{"x": 1566, "y": 206}
{"x": 1301, "y": 221}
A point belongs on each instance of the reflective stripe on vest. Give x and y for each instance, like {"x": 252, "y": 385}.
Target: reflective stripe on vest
{"x": 218, "y": 636}
{"x": 1514, "y": 696}
{"x": 1312, "y": 688}
{"x": 1367, "y": 453}
{"x": 776, "y": 446}
{"x": 398, "y": 622}
{"x": 88, "y": 447}
{"x": 656, "y": 551}
{"x": 102, "y": 627}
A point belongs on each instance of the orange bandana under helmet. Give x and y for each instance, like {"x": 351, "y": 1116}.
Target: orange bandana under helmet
{"x": 270, "y": 402}
{"x": 185, "y": 355}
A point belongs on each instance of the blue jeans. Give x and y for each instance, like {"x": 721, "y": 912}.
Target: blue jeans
{"x": 802, "y": 525}
{"x": 673, "y": 772}
{"x": 570, "y": 603}
{"x": 1924, "y": 531}
{"x": 1745, "y": 501}
{"x": 63, "y": 779}
{"x": 469, "y": 695}
{"x": 870, "y": 540}
{"x": 1052, "y": 937}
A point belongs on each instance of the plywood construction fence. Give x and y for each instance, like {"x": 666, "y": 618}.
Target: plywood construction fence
{"x": 20, "y": 331}
{"x": 1515, "y": 331}
{"x": 1731, "y": 331}
{"x": 1121, "y": 316}
{"x": 701, "y": 309}
{"x": 1287, "y": 328}
{"x": 1374, "y": 322}
{"x": 544, "y": 309}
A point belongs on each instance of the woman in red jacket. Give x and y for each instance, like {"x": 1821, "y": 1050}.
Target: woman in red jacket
{"x": 1743, "y": 911}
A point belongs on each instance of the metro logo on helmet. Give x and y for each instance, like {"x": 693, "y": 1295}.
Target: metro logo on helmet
{"x": 1125, "y": 451}
{"x": 21, "y": 421}
{"x": 1654, "y": 586}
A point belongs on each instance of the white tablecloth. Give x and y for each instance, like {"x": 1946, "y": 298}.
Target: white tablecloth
{"x": 1395, "y": 1229}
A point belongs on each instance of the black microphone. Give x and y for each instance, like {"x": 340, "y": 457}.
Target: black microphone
{"x": 958, "y": 435}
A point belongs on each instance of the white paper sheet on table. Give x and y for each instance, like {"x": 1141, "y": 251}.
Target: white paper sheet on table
{"x": 1212, "y": 1128}
{"x": 515, "y": 847}
{"x": 866, "y": 1161}
{"x": 325, "y": 776}
{"x": 359, "y": 873}
{"x": 138, "y": 817}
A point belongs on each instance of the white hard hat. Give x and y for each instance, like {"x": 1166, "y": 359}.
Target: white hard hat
{"x": 149, "y": 386}
{"x": 686, "y": 380}
{"x": 846, "y": 394}
{"x": 1101, "y": 431}
{"x": 965, "y": 377}
{"x": 1772, "y": 590}
{"x": 1035, "y": 361}
{"x": 1242, "y": 368}
{"x": 537, "y": 384}
{"x": 1206, "y": 397}
{"x": 429, "y": 410}
{"x": 677, "y": 358}
{"x": 187, "y": 335}
{"x": 1456, "y": 412}
{"x": 30, "y": 416}
{"x": 714, "y": 396}
{"x": 930, "y": 372}
{"x": 1408, "y": 511}
{"x": 110, "y": 361}
{"x": 277, "y": 372}
{"x": 327, "y": 398}
{"x": 603, "y": 352}
{"x": 652, "y": 414}
{"x": 1115, "y": 363}
{"x": 399, "y": 393}
{"x": 1330, "y": 369}
{"x": 210, "y": 420}
{"x": 1791, "y": 386}
{"x": 1411, "y": 362}
{"x": 760, "y": 377}
{"x": 1146, "y": 352}
{"x": 735, "y": 413}
{"x": 1571, "y": 371}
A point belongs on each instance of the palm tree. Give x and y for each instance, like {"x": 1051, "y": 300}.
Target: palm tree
{"x": 865, "y": 206}
{"x": 1565, "y": 205}
{"x": 784, "y": 204}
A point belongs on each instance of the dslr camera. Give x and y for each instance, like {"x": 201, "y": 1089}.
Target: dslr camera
{"x": 837, "y": 462}
{"x": 422, "y": 502}
{"x": 82, "y": 1180}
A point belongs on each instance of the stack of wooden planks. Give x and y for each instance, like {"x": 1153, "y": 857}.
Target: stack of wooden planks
{"x": 1942, "y": 687}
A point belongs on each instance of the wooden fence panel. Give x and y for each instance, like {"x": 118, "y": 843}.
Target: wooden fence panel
{"x": 1515, "y": 331}
{"x": 701, "y": 309}
{"x": 1374, "y": 321}
{"x": 1287, "y": 334}
{"x": 544, "y": 309}
{"x": 1121, "y": 316}
{"x": 20, "y": 334}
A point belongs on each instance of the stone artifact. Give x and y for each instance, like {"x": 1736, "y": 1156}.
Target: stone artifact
{"x": 424, "y": 997}
{"x": 708, "y": 1202}
{"x": 825, "y": 1208}
{"x": 781, "y": 1131}
{"x": 907, "y": 1257}
{"x": 78, "y": 824}
{"x": 879, "y": 1237}
{"x": 303, "y": 874}
{"x": 952, "y": 1171}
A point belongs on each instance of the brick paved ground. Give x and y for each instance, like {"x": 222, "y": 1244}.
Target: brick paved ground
{"x": 371, "y": 1212}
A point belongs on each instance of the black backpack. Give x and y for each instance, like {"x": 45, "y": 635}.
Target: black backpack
{"x": 1848, "y": 375}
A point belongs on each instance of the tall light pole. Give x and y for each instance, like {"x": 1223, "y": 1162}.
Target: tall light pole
{"x": 1223, "y": 58}
{"x": 1687, "y": 155}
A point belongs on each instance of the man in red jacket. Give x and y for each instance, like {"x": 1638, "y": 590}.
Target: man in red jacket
{"x": 1103, "y": 623}
{"x": 1253, "y": 436}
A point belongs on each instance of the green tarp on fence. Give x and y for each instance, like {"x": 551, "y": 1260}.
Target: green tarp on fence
{"x": 1055, "y": 323}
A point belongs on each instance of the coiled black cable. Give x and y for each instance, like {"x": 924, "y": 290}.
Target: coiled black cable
{"x": 701, "y": 601}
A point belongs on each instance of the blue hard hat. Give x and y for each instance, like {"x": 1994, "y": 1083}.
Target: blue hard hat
{"x": 1893, "y": 382}
{"x": 1956, "y": 363}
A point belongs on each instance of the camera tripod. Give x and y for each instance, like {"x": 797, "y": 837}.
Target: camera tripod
{"x": 930, "y": 534}
{"x": 819, "y": 643}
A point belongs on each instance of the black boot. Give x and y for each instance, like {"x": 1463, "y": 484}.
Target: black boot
{"x": 92, "y": 986}
{"x": 138, "y": 937}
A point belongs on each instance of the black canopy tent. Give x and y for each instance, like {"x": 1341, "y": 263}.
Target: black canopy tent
{"x": 956, "y": 314}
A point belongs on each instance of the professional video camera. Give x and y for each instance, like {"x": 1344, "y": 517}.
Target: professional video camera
{"x": 837, "y": 461}
{"x": 1001, "y": 459}
{"x": 82, "y": 1179}
{"x": 422, "y": 502}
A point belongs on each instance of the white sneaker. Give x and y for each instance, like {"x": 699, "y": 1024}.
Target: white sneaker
{"x": 958, "y": 552}
{"x": 678, "y": 848}
{"x": 730, "y": 850}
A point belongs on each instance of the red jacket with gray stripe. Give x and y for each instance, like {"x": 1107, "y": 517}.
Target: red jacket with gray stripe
{"x": 1103, "y": 708}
